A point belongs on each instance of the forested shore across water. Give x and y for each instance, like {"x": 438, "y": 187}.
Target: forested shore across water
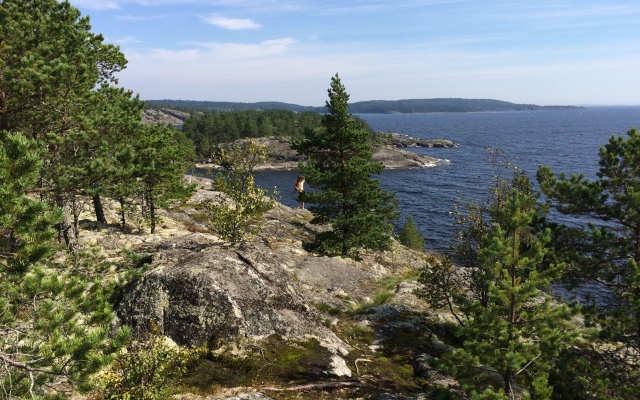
{"x": 408, "y": 106}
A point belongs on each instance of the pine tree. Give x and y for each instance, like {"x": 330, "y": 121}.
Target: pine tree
{"x": 606, "y": 247}
{"x": 507, "y": 324}
{"x": 161, "y": 161}
{"x": 116, "y": 116}
{"x": 410, "y": 236}
{"x": 54, "y": 323}
{"x": 50, "y": 64}
{"x": 338, "y": 165}
{"x": 519, "y": 332}
{"x": 25, "y": 223}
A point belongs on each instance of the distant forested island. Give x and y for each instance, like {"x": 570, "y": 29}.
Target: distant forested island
{"x": 362, "y": 107}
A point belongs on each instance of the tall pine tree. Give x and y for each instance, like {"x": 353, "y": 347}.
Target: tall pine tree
{"x": 605, "y": 248}
{"x": 507, "y": 324}
{"x": 519, "y": 332}
{"x": 337, "y": 164}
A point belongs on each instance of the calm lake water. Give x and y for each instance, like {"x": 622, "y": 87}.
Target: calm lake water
{"x": 566, "y": 140}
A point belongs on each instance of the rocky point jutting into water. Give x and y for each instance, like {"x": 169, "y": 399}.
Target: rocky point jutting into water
{"x": 389, "y": 153}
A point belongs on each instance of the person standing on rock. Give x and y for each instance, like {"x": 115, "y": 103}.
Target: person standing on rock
{"x": 299, "y": 186}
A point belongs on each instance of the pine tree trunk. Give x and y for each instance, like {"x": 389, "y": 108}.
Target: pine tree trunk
{"x": 97, "y": 207}
{"x": 4, "y": 115}
{"x": 152, "y": 212}
{"x": 64, "y": 227}
{"x": 508, "y": 378}
{"x": 122, "y": 213}
{"x": 75, "y": 210}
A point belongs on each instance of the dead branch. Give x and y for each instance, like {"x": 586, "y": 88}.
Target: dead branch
{"x": 361, "y": 360}
{"x": 317, "y": 386}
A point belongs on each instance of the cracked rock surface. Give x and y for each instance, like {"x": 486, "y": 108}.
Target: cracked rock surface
{"x": 219, "y": 293}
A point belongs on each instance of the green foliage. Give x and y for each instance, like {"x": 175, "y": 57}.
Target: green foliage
{"x": 160, "y": 166}
{"x": 117, "y": 120}
{"x": 607, "y": 251}
{"x": 519, "y": 333}
{"x": 145, "y": 369}
{"x": 56, "y": 89}
{"x": 441, "y": 284}
{"x": 210, "y": 128}
{"x": 338, "y": 165}
{"x": 241, "y": 214}
{"x": 54, "y": 321}
{"x": 51, "y": 63}
{"x": 224, "y": 106}
{"x": 473, "y": 223}
{"x": 382, "y": 297}
{"x": 508, "y": 326}
{"x": 25, "y": 223}
{"x": 410, "y": 236}
{"x": 585, "y": 371}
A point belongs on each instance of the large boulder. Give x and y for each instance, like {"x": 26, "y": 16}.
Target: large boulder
{"x": 199, "y": 293}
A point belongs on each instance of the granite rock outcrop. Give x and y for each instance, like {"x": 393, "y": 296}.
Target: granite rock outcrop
{"x": 200, "y": 293}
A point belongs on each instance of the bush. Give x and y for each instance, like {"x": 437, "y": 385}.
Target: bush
{"x": 144, "y": 370}
{"x": 240, "y": 215}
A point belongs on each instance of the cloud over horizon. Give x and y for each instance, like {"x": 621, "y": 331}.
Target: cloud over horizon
{"x": 234, "y": 24}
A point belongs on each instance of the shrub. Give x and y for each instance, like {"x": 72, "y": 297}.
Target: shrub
{"x": 144, "y": 370}
{"x": 410, "y": 236}
{"x": 241, "y": 214}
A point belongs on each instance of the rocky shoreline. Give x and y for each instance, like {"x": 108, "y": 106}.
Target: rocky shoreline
{"x": 390, "y": 154}
{"x": 402, "y": 140}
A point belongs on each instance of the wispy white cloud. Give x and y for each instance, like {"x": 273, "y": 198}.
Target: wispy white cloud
{"x": 233, "y": 24}
{"x": 241, "y": 51}
{"x": 169, "y": 57}
{"x": 97, "y": 4}
{"x": 126, "y": 40}
{"x": 139, "y": 17}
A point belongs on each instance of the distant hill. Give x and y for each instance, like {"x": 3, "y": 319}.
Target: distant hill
{"x": 443, "y": 105}
{"x": 193, "y": 105}
{"x": 362, "y": 107}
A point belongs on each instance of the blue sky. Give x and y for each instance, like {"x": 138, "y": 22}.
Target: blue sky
{"x": 543, "y": 52}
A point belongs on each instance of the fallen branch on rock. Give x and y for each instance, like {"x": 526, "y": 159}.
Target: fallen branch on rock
{"x": 361, "y": 360}
{"x": 317, "y": 386}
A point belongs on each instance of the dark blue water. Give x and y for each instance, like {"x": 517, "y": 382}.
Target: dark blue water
{"x": 566, "y": 140}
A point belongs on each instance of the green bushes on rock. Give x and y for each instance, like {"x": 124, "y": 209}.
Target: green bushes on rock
{"x": 240, "y": 215}
{"x": 145, "y": 369}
